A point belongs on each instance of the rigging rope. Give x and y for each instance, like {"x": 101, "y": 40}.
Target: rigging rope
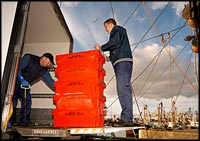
{"x": 184, "y": 77}
{"x": 152, "y": 25}
{"x": 150, "y": 18}
{"x": 145, "y": 35}
{"x": 112, "y": 10}
{"x": 149, "y": 75}
{"x": 132, "y": 13}
{"x": 163, "y": 71}
{"x": 159, "y": 35}
{"x": 195, "y": 69}
{"x": 162, "y": 41}
{"x": 172, "y": 108}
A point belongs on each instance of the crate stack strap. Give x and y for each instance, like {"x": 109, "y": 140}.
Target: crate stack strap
{"x": 79, "y": 98}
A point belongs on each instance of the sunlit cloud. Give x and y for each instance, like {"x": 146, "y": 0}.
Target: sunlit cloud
{"x": 158, "y": 5}
{"x": 162, "y": 65}
{"x": 178, "y": 7}
{"x": 71, "y": 4}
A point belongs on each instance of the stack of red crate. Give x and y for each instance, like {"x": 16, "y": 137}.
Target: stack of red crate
{"x": 79, "y": 98}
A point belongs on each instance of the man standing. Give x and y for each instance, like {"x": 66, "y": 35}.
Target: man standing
{"x": 30, "y": 69}
{"x": 122, "y": 62}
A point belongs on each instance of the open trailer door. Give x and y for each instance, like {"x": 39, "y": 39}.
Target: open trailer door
{"x": 35, "y": 27}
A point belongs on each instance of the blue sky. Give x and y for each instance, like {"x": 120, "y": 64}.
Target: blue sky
{"x": 154, "y": 80}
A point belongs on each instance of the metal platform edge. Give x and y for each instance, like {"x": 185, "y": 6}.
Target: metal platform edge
{"x": 67, "y": 132}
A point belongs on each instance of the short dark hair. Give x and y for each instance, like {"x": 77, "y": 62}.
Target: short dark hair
{"x": 111, "y": 20}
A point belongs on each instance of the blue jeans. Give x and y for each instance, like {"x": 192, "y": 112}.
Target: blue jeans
{"x": 25, "y": 104}
{"x": 123, "y": 72}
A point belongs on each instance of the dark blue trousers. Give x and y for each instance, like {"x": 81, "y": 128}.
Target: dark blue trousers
{"x": 123, "y": 72}
{"x": 25, "y": 104}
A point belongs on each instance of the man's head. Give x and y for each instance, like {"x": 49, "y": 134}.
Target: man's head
{"x": 109, "y": 24}
{"x": 47, "y": 60}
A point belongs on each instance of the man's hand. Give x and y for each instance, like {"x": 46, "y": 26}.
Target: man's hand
{"x": 25, "y": 83}
{"x": 97, "y": 46}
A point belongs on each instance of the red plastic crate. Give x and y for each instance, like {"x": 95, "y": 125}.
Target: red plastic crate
{"x": 78, "y": 102}
{"x": 74, "y": 88}
{"x": 63, "y": 119}
{"x": 63, "y": 66}
{"x": 92, "y": 57}
{"x": 77, "y": 69}
{"x": 81, "y": 73}
{"x": 83, "y": 112}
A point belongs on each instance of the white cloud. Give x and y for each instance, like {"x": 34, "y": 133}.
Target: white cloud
{"x": 178, "y": 7}
{"x": 70, "y": 4}
{"x": 141, "y": 19}
{"x": 158, "y": 5}
{"x": 143, "y": 57}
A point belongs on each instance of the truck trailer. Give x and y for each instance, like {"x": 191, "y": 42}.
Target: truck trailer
{"x": 38, "y": 27}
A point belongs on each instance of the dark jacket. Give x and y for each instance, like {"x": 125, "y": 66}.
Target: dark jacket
{"x": 31, "y": 70}
{"x": 118, "y": 45}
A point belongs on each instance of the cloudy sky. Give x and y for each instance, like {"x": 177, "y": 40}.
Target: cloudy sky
{"x": 154, "y": 78}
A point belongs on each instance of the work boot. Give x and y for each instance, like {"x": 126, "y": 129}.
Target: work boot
{"x": 125, "y": 124}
